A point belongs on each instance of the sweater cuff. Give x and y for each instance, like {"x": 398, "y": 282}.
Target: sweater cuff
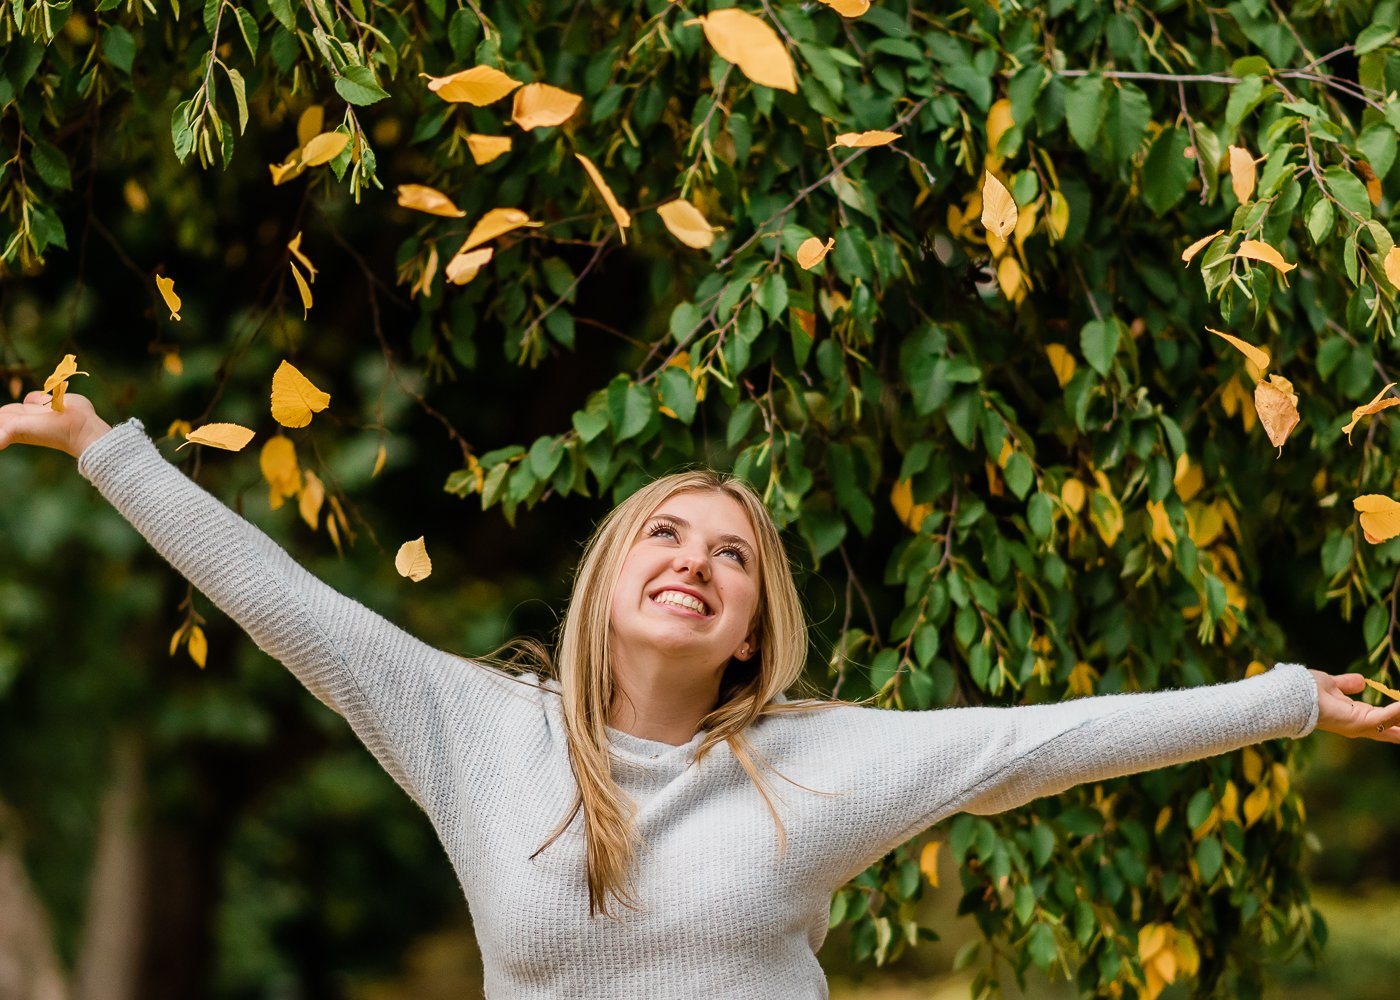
{"x": 1302, "y": 687}
{"x": 94, "y": 457}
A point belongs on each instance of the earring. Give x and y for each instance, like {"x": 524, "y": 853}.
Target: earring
{"x": 744, "y": 650}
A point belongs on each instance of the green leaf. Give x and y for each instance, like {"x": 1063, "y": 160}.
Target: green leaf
{"x": 589, "y": 424}
{"x": 1320, "y": 219}
{"x": 1040, "y": 944}
{"x": 358, "y": 86}
{"x": 248, "y": 28}
{"x": 1085, "y": 106}
{"x": 1125, "y": 124}
{"x": 1098, "y": 340}
{"x": 1377, "y": 142}
{"x": 1348, "y": 189}
{"x": 240, "y": 97}
{"x": 1167, "y": 172}
{"x": 678, "y": 393}
{"x": 282, "y": 10}
{"x": 1209, "y": 857}
{"x": 119, "y": 47}
{"x": 630, "y": 407}
{"x": 51, "y": 166}
{"x": 1373, "y": 36}
{"x": 1020, "y": 476}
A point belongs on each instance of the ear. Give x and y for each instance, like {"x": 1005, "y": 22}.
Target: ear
{"x": 748, "y": 649}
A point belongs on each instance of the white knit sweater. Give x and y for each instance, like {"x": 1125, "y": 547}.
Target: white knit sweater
{"x": 484, "y": 755}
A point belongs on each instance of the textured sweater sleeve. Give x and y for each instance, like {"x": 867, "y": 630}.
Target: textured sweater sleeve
{"x": 395, "y": 690}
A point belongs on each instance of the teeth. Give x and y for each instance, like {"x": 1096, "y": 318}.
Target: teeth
{"x": 681, "y": 600}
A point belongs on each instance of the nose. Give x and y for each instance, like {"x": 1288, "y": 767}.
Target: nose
{"x": 692, "y": 560}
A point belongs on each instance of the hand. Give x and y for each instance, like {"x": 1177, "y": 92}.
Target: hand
{"x": 35, "y": 422}
{"x": 1338, "y": 713}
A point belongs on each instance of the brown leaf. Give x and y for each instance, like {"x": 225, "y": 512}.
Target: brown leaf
{"x": 810, "y": 253}
{"x": 1374, "y": 406}
{"x": 538, "y": 105}
{"x": 1257, "y": 356}
{"x": 750, "y": 43}
{"x": 1242, "y": 176}
{"x": 620, "y": 215}
{"x": 1198, "y": 246}
{"x": 1277, "y": 406}
{"x": 998, "y": 207}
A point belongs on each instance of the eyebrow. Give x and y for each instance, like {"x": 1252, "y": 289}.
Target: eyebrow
{"x": 683, "y": 523}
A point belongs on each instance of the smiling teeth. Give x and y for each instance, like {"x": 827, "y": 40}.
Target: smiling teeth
{"x": 682, "y": 600}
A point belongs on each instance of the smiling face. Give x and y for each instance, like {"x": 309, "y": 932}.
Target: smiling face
{"x": 689, "y": 585}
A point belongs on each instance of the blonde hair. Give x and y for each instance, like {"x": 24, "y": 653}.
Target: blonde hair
{"x": 582, "y": 664}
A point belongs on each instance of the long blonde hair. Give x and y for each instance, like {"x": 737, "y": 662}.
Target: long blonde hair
{"x": 582, "y": 664}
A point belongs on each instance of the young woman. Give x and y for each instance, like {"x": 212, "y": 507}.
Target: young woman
{"x": 660, "y": 821}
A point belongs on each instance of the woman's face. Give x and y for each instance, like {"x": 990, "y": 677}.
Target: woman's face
{"x": 689, "y": 586}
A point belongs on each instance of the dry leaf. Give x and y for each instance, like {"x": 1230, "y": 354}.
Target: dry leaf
{"x": 294, "y": 245}
{"x": 425, "y": 279}
{"x": 1373, "y": 183}
{"x": 1392, "y": 266}
{"x": 412, "y": 560}
{"x": 493, "y": 224}
{"x": 1277, "y": 406}
{"x": 278, "y": 462}
{"x": 849, "y": 8}
{"x": 1242, "y": 174}
{"x": 928, "y": 855}
{"x": 303, "y": 288}
{"x": 283, "y": 172}
{"x": 422, "y": 198}
{"x": 1198, "y": 246}
{"x": 1257, "y": 356}
{"x": 1380, "y": 517}
{"x": 57, "y": 383}
{"x": 197, "y": 646}
{"x": 167, "y": 292}
{"x": 1377, "y": 685}
{"x": 686, "y": 223}
{"x": 810, "y": 253}
{"x": 858, "y": 139}
{"x": 465, "y": 264}
{"x": 324, "y": 148}
{"x": 750, "y": 43}
{"x": 538, "y": 105}
{"x": 998, "y": 207}
{"x": 1259, "y": 250}
{"x": 313, "y": 494}
{"x": 1374, "y": 406}
{"x": 480, "y": 85}
{"x": 620, "y": 215}
{"x": 294, "y": 398}
{"x": 485, "y": 148}
{"x": 229, "y": 437}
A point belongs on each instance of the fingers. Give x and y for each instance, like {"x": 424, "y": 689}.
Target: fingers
{"x": 38, "y": 397}
{"x": 1350, "y": 683}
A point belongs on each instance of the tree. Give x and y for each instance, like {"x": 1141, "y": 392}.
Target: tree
{"x": 995, "y": 394}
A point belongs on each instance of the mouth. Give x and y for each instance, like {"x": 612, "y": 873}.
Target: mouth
{"x": 682, "y": 599}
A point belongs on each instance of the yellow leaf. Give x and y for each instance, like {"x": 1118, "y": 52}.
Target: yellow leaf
{"x": 303, "y": 288}
{"x": 1152, "y": 939}
{"x": 1256, "y": 804}
{"x": 57, "y": 383}
{"x": 855, "y": 140}
{"x": 1010, "y": 278}
{"x": 283, "y": 172}
{"x": 810, "y": 253}
{"x": 1082, "y": 678}
{"x": 1188, "y": 478}
{"x": 910, "y": 514}
{"x": 294, "y": 245}
{"x": 848, "y": 8}
{"x": 198, "y": 646}
{"x": 324, "y": 148}
{"x": 928, "y": 861}
{"x": 538, "y": 105}
{"x": 1380, "y": 517}
{"x": 309, "y": 124}
{"x": 1374, "y": 406}
{"x": 313, "y": 494}
{"x": 1253, "y": 765}
{"x": 333, "y": 531}
{"x": 1392, "y": 266}
{"x": 750, "y": 43}
{"x": 1258, "y": 357}
{"x": 172, "y": 363}
{"x": 686, "y": 223}
{"x": 620, "y": 215}
{"x": 1162, "y": 531}
{"x": 1388, "y": 692}
{"x": 1261, "y": 251}
{"x": 1277, "y": 406}
{"x": 485, "y": 148}
{"x": 175, "y": 639}
{"x": 1074, "y": 495}
{"x": 1242, "y": 174}
{"x": 999, "y": 122}
{"x": 422, "y": 198}
{"x": 229, "y": 437}
{"x": 379, "y": 458}
{"x": 425, "y": 279}
{"x": 998, "y": 207}
{"x": 494, "y": 223}
{"x": 294, "y": 398}
{"x": 1058, "y": 219}
{"x": 177, "y": 428}
{"x": 1198, "y": 246}
{"x": 278, "y": 462}
{"x": 465, "y": 264}
{"x": 480, "y": 85}
{"x": 167, "y": 292}
{"x": 412, "y": 560}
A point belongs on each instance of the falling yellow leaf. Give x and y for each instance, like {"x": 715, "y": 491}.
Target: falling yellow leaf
{"x": 1374, "y": 406}
{"x": 324, "y": 148}
{"x": 1388, "y": 692}
{"x": 750, "y": 43}
{"x": 686, "y": 223}
{"x": 422, "y": 198}
{"x": 313, "y": 494}
{"x": 1380, "y": 517}
{"x": 1259, "y": 250}
{"x": 283, "y": 172}
{"x": 309, "y": 123}
{"x": 1392, "y": 266}
{"x": 494, "y": 223}
{"x": 229, "y": 437}
{"x": 303, "y": 288}
{"x": 538, "y": 105}
{"x": 1242, "y": 175}
{"x": 810, "y": 253}
{"x": 57, "y": 383}
{"x": 485, "y": 148}
{"x": 998, "y": 207}
{"x": 167, "y": 292}
{"x": 910, "y": 514}
{"x": 1257, "y": 356}
{"x": 197, "y": 646}
{"x": 928, "y": 857}
{"x": 465, "y": 264}
{"x": 412, "y": 560}
{"x": 278, "y": 462}
{"x": 294, "y": 398}
{"x": 620, "y": 215}
{"x": 856, "y": 140}
{"x": 1277, "y": 406}
{"x": 1198, "y": 246}
{"x": 848, "y": 8}
{"x": 480, "y": 85}
{"x": 1062, "y": 362}
{"x": 294, "y": 245}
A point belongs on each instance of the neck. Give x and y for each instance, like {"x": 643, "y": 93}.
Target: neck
{"x": 654, "y": 701}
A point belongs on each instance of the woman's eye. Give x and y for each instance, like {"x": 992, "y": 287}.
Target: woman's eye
{"x": 663, "y": 529}
{"x": 738, "y": 556}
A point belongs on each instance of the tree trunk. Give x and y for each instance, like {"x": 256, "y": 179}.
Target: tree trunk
{"x": 29, "y": 969}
